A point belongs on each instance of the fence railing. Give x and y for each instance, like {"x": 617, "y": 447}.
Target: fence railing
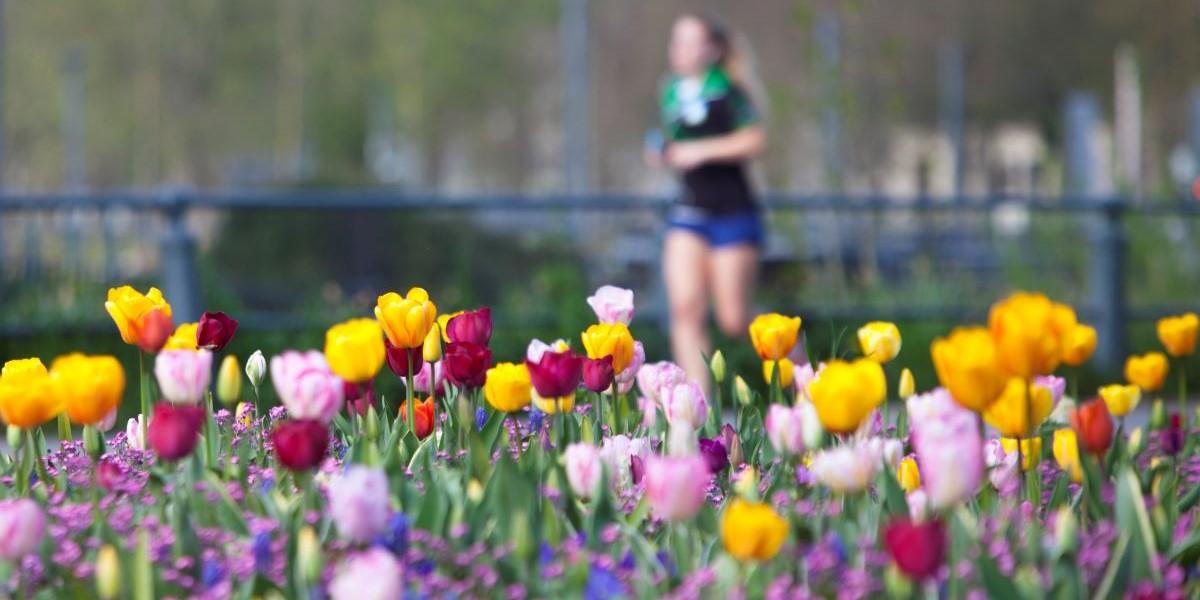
{"x": 1106, "y": 306}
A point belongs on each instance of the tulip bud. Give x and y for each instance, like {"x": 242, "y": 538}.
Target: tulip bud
{"x": 108, "y": 573}
{"x": 371, "y": 426}
{"x": 1029, "y": 582}
{"x": 1158, "y": 415}
{"x": 308, "y": 555}
{"x": 229, "y": 380}
{"x": 1066, "y": 531}
{"x": 1136, "y": 441}
{"x": 733, "y": 444}
{"x": 746, "y": 485}
{"x": 908, "y": 385}
{"x": 256, "y": 368}
{"x": 474, "y": 491}
{"x": 717, "y": 365}
{"x": 742, "y": 391}
{"x": 13, "y": 436}
{"x": 431, "y": 349}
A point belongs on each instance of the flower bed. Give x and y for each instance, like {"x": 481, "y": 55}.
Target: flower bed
{"x": 594, "y": 474}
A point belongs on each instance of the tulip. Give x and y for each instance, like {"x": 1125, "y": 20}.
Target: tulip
{"x": 467, "y": 364}
{"x": 676, "y": 485}
{"x": 714, "y": 454}
{"x": 443, "y": 323}
{"x": 423, "y": 415}
{"x": 774, "y": 335}
{"x": 109, "y": 421}
{"x": 359, "y": 504}
{"x": 966, "y": 364}
{"x": 584, "y": 468}
{"x": 918, "y": 549}
{"x": 144, "y": 320}
{"x": 184, "y": 338}
{"x": 308, "y": 554}
{"x": 183, "y": 375}
{"x": 655, "y": 380}
{"x": 845, "y": 469}
{"x": 373, "y": 574}
{"x": 716, "y": 364}
{"x": 229, "y": 380}
{"x": 215, "y": 331}
{"x": 1172, "y": 436}
{"x": 1078, "y": 344}
{"x": 1020, "y": 409}
{"x": 89, "y": 388}
{"x": 908, "y": 385}
{"x": 1137, "y": 441}
{"x": 752, "y": 530}
{"x": 1093, "y": 425}
{"x": 627, "y": 378}
{"x": 1147, "y": 371}
{"x": 537, "y": 348}
{"x": 306, "y": 386}
{"x": 358, "y": 397}
{"x": 1066, "y": 453}
{"x": 598, "y": 374}
{"x": 1066, "y": 530}
{"x": 1158, "y": 415}
{"x": 909, "y": 475}
{"x": 879, "y": 341}
{"x": 741, "y": 390}
{"x": 612, "y": 304}
{"x": 553, "y": 405}
{"x": 785, "y": 429}
{"x": 354, "y": 350}
{"x": 430, "y": 380}
{"x": 431, "y": 349}
{"x": 555, "y": 374}
{"x": 733, "y": 445}
{"x": 803, "y": 376}
{"x": 618, "y": 453}
{"x": 845, "y": 393}
{"x": 406, "y": 320}
{"x": 133, "y": 433}
{"x": 301, "y": 445}
{"x": 474, "y": 326}
{"x": 256, "y": 368}
{"x": 786, "y": 370}
{"x": 609, "y": 339}
{"x": 1178, "y": 334}
{"x": 948, "y": 448}
{"x": 22, "y": 527}
{"x": 27, "y": 395}
{"x": 1031, "y": 450}
{"x": 1030, "y": 331}
{"x": 507, "y": 387}
{"x": 681, "y": 440}
{"x": 685, "y": 406}
{"x": 108, "y": 572}
{"x": 1121, "y": 399}
{"x": 403, "y": 361}
{"x": 174, "y": 429}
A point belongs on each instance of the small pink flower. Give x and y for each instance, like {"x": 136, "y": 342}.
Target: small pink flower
{"x": 22, "y": 526}
{"x": 183, "y": 375}
{"x": 306, "y": 386}
{"x": 133, "y": 433}
{"x": 675, "y": 485}
{"x": 584, "y": 469}
{"x": 612, "y": 304}
{"x": 372, "y": 574}
{"x": 785, "y": 429}
{"x": 429, "y": 379}
{"x": 685, "y": 405}
{"x": 626, "y": 378}
{"x": 359, "y": 504}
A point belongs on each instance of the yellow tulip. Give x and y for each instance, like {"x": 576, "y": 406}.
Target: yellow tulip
{"x": 786, "y": 371}
{"x": 108, "y": 572}
{"x": 879, "y": 341}
{"x": 1178, "y": 334}
{"x": 1031, "y": 450}
{"x": 87, "y": 387}
{"x": 1015, "y": 414}
{"x": 967, "y": 366}
{"x": 774, "y": 335}
{"x": 908, "y": 385}
{"x": 1147, "y": 371}
{"x": 130, "y": 310}
{"x": 431, "y": 349}
{"x": 507, "y": 388}
{"x": 1030, "y": 331}
{"x": 1066, "y": 453}
{"x": 184, "y": 337}
{"x": 550, "y": 406}
{"x": 1079, "y": 344}
{"x": 27, "y": 397}
{"x": 908, "y": 474}
{"x": 354, "y": 349}
{"x": 609, "y": 339}
{"x": 844, "y": 393}
{"x": 1121, "y": 398}
{"x": 229, "y": 380}
{"x": 752, "y": 530}
{"x": 406, "y": 319}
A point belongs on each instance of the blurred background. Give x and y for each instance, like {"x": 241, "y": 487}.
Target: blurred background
{"x": 287, "y": 160}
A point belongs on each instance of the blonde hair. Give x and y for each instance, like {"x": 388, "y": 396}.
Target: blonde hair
{"x": 736, "y": 58}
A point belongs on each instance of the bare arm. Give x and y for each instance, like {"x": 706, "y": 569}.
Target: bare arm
{"x": 742, "y": 144}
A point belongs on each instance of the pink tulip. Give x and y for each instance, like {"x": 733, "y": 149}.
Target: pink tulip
{"x": 358, "y": 502}
{"x": 372, "y": 574}
{"x": 133, "y": 433}
{"x": 429, "y": 379}
{"x": 804, "y": 374}
{"x": 306, "y": 386}
{"x": 846, "y": 469}
{"x": 584, "y": 469}
{"x": 785, "y": 429}
{"x": 1057, "y": 385}
{"x": 108, "y": 422}
{"x": 656, "y": 379}
{"x": 612, "y": 304}
{"x": 676, "y": 485}
{"x": 183, "y": 375}
{"x": 685, "y": 405}
{"x": 22, "y": 526}
{"x": 618, "y": 452}
{"x": 626, "y": 378}
{"x": 948, "y": 448}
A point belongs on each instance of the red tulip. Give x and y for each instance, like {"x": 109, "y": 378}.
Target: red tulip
{"x": 1093, "y": 425}
{"x": 400, "y": 359}
{"x": 155, "y": 328}
{"x": 466, "y": 364}
{"x": 215, "y": 330}
{"x": 917, "y": 548}
{"x": 557, "y": 374}
{"x": 174, "y": 429}
{"x": 598, "y": 373}
{"x": 423, "y": 414}
{"x": 359, "y": 396}
{"x": 301, "y": 444}
{"x": 1171, "y": 438}
{"x": 474, "y": 326}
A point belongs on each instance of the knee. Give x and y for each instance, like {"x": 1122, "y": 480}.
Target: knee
{"x": 687, "y": 312}
{"x": 733, "y": 324}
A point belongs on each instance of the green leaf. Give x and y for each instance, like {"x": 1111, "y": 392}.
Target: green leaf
{"x": 894, "y": 501}
{"x": 1187, "y": 552}
{"x": 1132, "y": 518}
{"x": 997, "y": 584}
{"x": 1116, "y": 575}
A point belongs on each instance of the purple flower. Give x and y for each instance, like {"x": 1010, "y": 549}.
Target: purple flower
{"x": 714, "y": 454}
{"x": 481, "y": 417}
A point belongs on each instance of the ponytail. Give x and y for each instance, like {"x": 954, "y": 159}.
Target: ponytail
{"x": 736, "y": 58}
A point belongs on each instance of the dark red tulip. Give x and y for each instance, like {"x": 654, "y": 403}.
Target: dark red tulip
{"x": 109, "y": 474}
{"x": 359, "y": 396}
{"x": 423, "y": 414}
{"x": 1093, "y": 426}
{"x": 1171, "y": 438}
{"x": 636, "y": 468}
{"x": 174, "y": 429}
{"x": 557, "y": 374}
{"x": 215, "y": 330}
{"x": 474, "y": 326}
{"x": 714, "y": 455}
{"x": 400, "y": 359}
{"x": 598, "y": 373}
{"x": 155, "y": 328}
{"x": 917, "y": 548}
{"x": 466, "y": 364}
{"x": 301, "y": 444}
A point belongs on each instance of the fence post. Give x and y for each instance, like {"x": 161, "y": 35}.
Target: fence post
{"x": 1108, "y": 283}
{"x": 180, "y": 280}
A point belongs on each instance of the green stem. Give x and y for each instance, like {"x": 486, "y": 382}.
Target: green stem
{"x": 38, "y": 464}
{"x": 64, "y": 428}
{"x": 1183, "y": 390}
{"x": 409, "y": 414}
{"x": 144, "y": 391}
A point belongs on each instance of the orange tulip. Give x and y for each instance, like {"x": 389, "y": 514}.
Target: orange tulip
{"x": 1093, "y": 426}
{"x": 144, "y": 320}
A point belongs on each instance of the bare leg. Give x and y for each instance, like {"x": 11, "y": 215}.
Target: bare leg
{"x": 732, "y": 273}
{"x": 685, "y": 262}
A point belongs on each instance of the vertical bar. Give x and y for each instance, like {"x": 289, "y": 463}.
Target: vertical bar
{"x": 1194, "y": 118}
{"x": 3, "y": 56}
{"x": 74, "y": 155}
{"x": 576, "y": 114}
{"x": 1082, "y": 114}
{"x": 179, "y": 274}
{"x": 1128, "y": 117}
{"x": 829, "y": 44}
{"x": 951, "y": 110}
